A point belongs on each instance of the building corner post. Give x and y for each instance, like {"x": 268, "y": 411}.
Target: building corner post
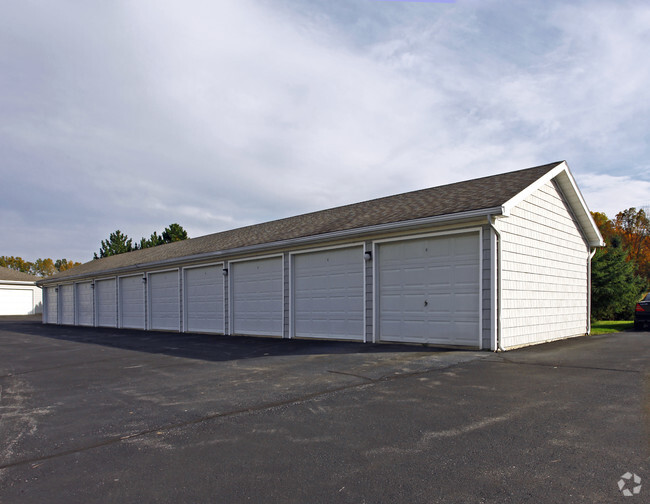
{"x": 592, "y": 252}
{"x": 497, "y": 344}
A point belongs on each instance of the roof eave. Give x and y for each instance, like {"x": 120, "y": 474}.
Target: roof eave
{"x": 305, "y": 240}
{"x": 19, "y": 282}
{"x": 563, "y": 176}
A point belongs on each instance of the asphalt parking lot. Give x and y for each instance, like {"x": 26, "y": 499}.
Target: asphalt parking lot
{"x": 98, "y": 415}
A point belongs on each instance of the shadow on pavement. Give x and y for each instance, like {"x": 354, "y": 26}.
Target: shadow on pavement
{"x": 209, "y": 347}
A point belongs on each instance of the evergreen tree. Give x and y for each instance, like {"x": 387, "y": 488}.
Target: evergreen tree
{"x": 117, "y": 243}
{"x": 174, "y": 233}
{"x": 154, "y": 240}
{"x": 615, "y": 286}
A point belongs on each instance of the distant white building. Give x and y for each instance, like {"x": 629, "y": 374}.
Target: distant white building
{"x": 19, "y": 294}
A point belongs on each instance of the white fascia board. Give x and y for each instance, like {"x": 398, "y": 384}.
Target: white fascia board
{"x": 564, "y": 178}
{"x": 580, "y": 208}
{"x": 335, "y": 235}
{"x": 19, "y": 282}
{"x": 521, "y": 196}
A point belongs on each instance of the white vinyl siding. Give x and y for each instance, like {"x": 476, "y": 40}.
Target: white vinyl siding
{"x": 257, "y": 297}
{"x": 84, "y": 300}
{"x": 429, "y": 290}
{"x": 106, "y": 296}
{"x": 203, "y": 288}
{"x": 164, "y": 301}
{"x": 544, "y": 265}
{"x": 327, "y": 294}
{"x": 52, "y": 305}
{"x": 66, "y": 304}
{"x": 131, "y": 302}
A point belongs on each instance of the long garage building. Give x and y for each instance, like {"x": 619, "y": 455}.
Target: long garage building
{"x": 493, "y": 263}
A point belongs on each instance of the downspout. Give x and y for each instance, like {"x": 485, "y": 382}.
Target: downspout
{"x": 591, "y": 256}
{"x": 499, "y": 275}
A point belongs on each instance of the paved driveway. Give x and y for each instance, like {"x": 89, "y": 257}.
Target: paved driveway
{"x": 95, "y": 415}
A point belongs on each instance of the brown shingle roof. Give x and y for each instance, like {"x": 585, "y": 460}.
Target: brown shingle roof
{"x": 460, "y": 197}
{"x": 16, "y": 276}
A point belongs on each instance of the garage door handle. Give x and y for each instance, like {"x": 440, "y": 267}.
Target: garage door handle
{"x": 426, "y": 303}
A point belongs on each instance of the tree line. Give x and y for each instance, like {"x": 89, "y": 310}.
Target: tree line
{"x": 620, "y": 272}
{"x": 119, "y": 243}
{"x": 40, "y": 267}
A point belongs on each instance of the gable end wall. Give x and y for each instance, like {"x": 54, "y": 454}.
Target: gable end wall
{"x": 544, "y": 271}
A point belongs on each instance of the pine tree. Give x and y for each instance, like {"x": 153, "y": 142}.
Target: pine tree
{"x": 174, "y": 233}
{"x": 615, "y": 285}
{"x": 117, "y": 243}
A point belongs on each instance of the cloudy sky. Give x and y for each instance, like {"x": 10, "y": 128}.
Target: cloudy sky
{"x": 215, "y": 114}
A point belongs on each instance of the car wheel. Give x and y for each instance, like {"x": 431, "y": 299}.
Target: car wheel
{"x": 638, "y": 326}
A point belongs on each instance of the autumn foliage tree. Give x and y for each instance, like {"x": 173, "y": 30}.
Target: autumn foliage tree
{"x": 16, "y": 263}
{"x": 621, "y": 270}
{"x": 634, "y": 229}
{"x": 40, "y": 267}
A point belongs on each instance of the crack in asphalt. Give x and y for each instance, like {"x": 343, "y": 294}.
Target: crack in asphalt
{"x": 505, "y": 360}
{"x": 351, "y": 374}
{"x": 68, "y": 365}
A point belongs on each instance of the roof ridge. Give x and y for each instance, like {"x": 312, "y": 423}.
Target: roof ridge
{"x": 549, "y": 167}
{"x": 477, "y": 194}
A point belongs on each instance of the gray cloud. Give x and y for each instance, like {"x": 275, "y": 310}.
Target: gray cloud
{"x": 133, "y": 115}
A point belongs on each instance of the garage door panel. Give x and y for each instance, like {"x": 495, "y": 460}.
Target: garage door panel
{"x": 204, "y": 299}
{"x": 131, "y": 302}
{"x": 464, "y": 244}
{"x": 428, "y": 290}
{"x": 66, "y": 304}
{"x": 409, "y": 276}
{"x": 465, "y": 301}
{"x": 106, "y": 302}
{"x": 257, "y": 298}
{"x": 164, "y": 297}
{"x": 84, "y": 300}
{"x": 52, "y": 309}
{"x": 328, "y": 294}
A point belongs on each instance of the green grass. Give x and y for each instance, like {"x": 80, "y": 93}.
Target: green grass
{"x": 610, "y": 326}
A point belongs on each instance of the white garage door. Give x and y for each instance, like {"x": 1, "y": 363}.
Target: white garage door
{"x": 106, "y": 300}
{"x": 15, "y": 301}
{"x": 164, "y": 299}
{"x": 428, "y": 290}
{"x": 131, "y": 302}
{"x": 203, "y": 289}
{"x": 84, "y": 299}
{"x": 328, "y": 294}
{"x": 52, "y": 308}
{"x": 66, "y": 304}
{"x": 256, "y": 294}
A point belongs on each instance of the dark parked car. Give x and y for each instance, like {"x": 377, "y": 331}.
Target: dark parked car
{"x": 642, "y": 313}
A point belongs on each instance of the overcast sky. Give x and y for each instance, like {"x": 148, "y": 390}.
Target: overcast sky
{"x": 215, "y": 114}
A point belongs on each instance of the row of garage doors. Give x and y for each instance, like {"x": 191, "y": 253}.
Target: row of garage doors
{"x": 426, "y": 290}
